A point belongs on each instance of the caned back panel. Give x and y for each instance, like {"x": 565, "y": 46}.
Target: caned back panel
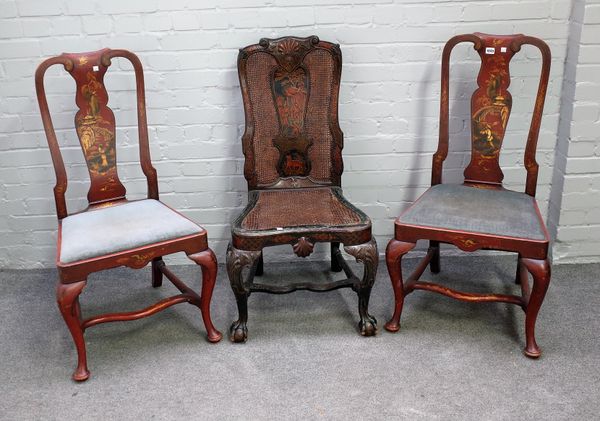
{"x": 318, "y": 127}
{"x": 290, "y": 88}
{"x": 260, "y": 69}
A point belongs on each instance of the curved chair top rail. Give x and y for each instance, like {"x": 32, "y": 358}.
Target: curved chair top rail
{"x": 491, "y": 105}
{"x": 95, "y": 126}
{"x": 290, "y": 89}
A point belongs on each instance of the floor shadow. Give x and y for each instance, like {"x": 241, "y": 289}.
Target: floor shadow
{"x": 468, "y": 279}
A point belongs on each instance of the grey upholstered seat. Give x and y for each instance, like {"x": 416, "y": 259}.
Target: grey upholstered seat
{"x": 500, "y": 212}
{"x": 122, "y": 227}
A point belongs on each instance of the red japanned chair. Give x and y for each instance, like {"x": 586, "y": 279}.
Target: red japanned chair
{"x": 293, "y": 165}
{"x": 481, "y": 214}
{"x": 113, "y": 231}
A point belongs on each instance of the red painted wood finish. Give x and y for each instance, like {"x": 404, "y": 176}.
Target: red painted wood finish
{"x": 95, "y": 126}
{"x": 490, "y": 109}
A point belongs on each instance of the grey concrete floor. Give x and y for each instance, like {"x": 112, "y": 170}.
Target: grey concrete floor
{"x": 304, "y": 358}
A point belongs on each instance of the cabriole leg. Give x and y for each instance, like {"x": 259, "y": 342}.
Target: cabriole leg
{"x": 367, "y": 254}
{"x": 335, "y": 264}
{"x": 208, "y": 263}
{"x": 393, "y": 258}
{"x": 237, "y": 260}
{"x": 157, "y": 275}
{"x": 540, "y": 272}
{"x": 67, "y": 298}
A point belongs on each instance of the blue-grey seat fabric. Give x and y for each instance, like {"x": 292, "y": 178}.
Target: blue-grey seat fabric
{"x": 459, "y": 207}
{"x": 121, "y": 227}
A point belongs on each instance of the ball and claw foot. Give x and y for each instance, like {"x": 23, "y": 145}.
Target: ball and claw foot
{"x": 238, "y": 332}
{"x": 368, "y": 326}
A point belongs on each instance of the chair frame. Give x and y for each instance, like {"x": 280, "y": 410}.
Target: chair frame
{"x": 106, "y": 190}
{"x": 533, "y": 254}
{"x": 245, "y": 251}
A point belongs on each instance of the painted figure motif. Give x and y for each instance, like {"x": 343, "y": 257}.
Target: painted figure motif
{"x": 290, "y": 98}
{"x": 95, "y": 125}
{"x": 290, "y": 91}
{"x": 491, "y": 105}
{"x": 489, "y": 121}
{"x": 293, "y": 159}
{"x": 95, "y": 134}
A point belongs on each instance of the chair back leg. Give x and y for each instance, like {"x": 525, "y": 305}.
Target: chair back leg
{"x": 260, "y": 266}
{"x": 335, "y": 263}
{"x": 157, "y": 275}
{"x": 434, "y": 265}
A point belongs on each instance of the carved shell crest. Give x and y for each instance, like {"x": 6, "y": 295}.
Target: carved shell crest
{"x": 303, "y": 247}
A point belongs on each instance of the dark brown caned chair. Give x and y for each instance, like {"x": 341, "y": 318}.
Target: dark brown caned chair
{"x": 293, "y": 150}
{"x": 480, "y": 213}
{"x": 113, "y": 231}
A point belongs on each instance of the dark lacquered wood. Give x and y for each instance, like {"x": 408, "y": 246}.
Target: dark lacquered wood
{"x": 286, "y": 156}
{"x": 289, "y": 53}
{"x": 491, "y": 105}
{"x": 95, "y": 127}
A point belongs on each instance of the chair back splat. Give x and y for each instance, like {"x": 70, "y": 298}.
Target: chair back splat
{"x": 491, "y": 105}
{"x": 290, "y": 88}
{"x": 95, "y": 126}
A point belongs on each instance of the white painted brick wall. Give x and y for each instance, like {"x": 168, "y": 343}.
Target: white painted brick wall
{"x": 575, "y": 205}
{"x": 389, "y": 101}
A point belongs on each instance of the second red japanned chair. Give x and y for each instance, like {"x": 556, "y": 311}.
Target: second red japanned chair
{"x": 480, "y": 213}
{"x": 113, "y": 231}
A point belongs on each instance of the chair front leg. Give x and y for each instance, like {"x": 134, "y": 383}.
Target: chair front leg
{"x": 208, "y": 263}
{"x": 367, "y": 254}
{"x": 393, "y": 258}
{"x": 540, "y": 272}
{"x": 237, "y": 260}
{"x": 67, "y": 298}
